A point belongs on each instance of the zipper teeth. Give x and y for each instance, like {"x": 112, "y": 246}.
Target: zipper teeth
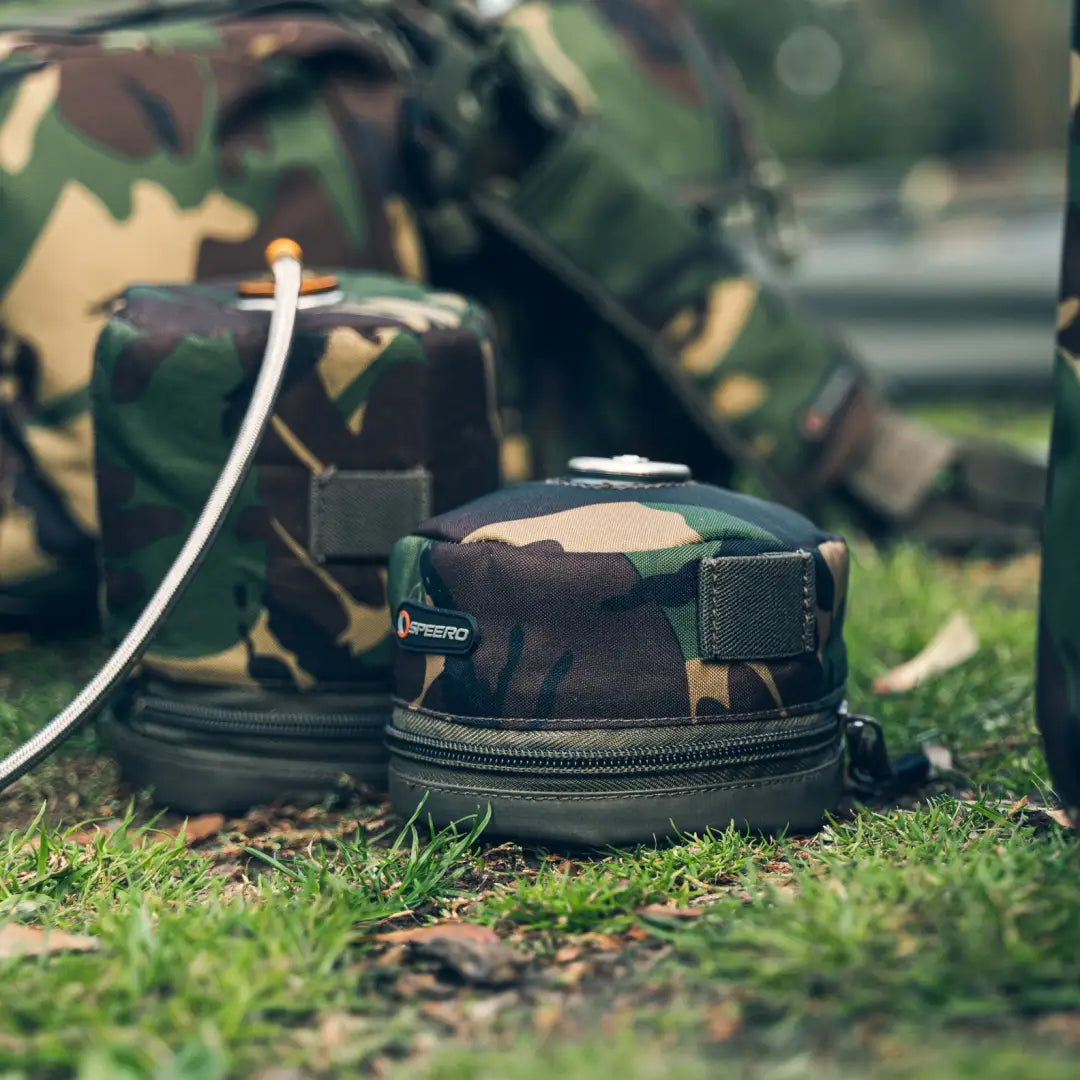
{"x": 215, "y": 718}
{"x": 740, "y": 751}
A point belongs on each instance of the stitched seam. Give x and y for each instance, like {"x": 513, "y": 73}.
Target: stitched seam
{"x": 809, "y": 620}
{"x": 706, "y": 610}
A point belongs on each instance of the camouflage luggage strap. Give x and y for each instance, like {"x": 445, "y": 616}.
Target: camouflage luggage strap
{"x": 500, "y": 146}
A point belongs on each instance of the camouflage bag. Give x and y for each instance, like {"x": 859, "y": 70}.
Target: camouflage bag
{"x": 1058, "y": 693}
{"x": 577, "y": 163}
{"x": 270, "y": 678}
{"x": 620, "y": 654}
{"x": 158, "y": 144}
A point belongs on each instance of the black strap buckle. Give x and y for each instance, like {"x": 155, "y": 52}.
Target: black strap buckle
{"x": 870, "y": 772}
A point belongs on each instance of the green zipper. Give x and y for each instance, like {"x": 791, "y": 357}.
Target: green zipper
{"x": 746, "y": 751}
{"x": 214, "y": 719}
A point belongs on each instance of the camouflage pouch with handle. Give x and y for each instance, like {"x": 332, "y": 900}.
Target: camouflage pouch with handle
{"x": 162, "y": 144}
{"x": 270, "y": 679}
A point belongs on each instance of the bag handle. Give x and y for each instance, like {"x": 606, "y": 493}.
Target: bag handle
{"x": 284, "y": 258}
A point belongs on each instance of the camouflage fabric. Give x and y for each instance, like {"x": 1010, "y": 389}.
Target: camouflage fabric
{"x": 586, "y": 600}
{"x": 166, "y": 153}
{"x": 390, "y": 378}
{"x": 658, "y": 297}
{"x": 633, "y": 62}
{"x": 1059, "y": 627}
{"x": 570, "y": 200}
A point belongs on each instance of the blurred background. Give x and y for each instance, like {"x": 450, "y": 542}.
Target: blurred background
{"x": 925, "y": 141}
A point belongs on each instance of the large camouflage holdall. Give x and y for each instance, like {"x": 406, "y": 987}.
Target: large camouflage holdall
{"x": 271, "y": 677}
{"x": 576, "y": 164}
{"x": 157, "y": 145}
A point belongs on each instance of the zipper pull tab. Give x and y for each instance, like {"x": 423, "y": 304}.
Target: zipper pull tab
{"x": 871, "y": 773}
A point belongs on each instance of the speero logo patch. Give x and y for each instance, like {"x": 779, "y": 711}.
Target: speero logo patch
{"x": 435, "y": 630}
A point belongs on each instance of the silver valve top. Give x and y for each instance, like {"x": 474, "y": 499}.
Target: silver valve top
{"x": 629, "y": 467}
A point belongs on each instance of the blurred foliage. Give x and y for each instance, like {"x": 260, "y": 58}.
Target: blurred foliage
{"x": 900, "y": 79}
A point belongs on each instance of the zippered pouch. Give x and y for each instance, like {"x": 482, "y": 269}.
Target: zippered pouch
{"x": 605, "y": 659}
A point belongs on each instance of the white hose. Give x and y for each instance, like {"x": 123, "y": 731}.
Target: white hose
{"x": 287, "y": 273}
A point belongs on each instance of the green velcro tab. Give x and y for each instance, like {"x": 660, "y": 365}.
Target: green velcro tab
{"x": 359, "y": 515}
{"x": 757, "y": 607}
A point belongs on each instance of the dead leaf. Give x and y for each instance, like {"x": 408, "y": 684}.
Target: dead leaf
{"x": 663, "y": 911}
{"x": 473, "y": 953}
{"x": 567, "y": 954}
{"x": 16, "y": 940}
{"x": 1064, "y": 1025}
{"x": 196, "y": 829}
{"x": 602, "y": 942}
{"x": 545, "y": 1018}
{"x": 485, "y": 1011}
{"x": 940, "y": 758}
{"x": 422, "y": 984}
{"x": 572, "y": 975}
{"x": 439, "y": 1012}
{"x": 1032, "y": 814}
{"x": 953, "y": 644}
{"x": 722, "y": 1022}
{"x": 434, "y": 931}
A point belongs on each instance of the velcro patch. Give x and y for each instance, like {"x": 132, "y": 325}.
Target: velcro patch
{"x": 757, "y": 607}
{"x": 360, "y": 515}
{"x": 435, "y": 630}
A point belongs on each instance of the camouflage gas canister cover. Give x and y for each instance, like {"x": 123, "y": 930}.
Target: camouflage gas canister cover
{"x": 586, "y": 600}
{"x": 170, "y": 152}
{"x": 390, "y": 379}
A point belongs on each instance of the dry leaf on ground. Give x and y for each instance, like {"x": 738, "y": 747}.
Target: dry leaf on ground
{"x": 722, "y": 1021}
{"x": 662, "y": 911}
{"x": 951, "y": 646}
{"x": 193, "y": 829}
{"x": 1032, "y": 814}
{"x": 443, "y": 930}
{"x": 471, "y": 952}
{"x": 940, "y": 757}
{"x": 16, "y": 940}
{"x": 1047, "y": 813}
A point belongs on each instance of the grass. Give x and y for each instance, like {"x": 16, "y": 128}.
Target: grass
{"x": 932, "y": 939}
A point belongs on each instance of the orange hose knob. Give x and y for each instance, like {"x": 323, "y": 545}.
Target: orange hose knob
{"x": 283, "y": 247}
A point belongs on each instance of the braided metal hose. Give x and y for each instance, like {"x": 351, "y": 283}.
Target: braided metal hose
{"x": 284, "y": 258}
